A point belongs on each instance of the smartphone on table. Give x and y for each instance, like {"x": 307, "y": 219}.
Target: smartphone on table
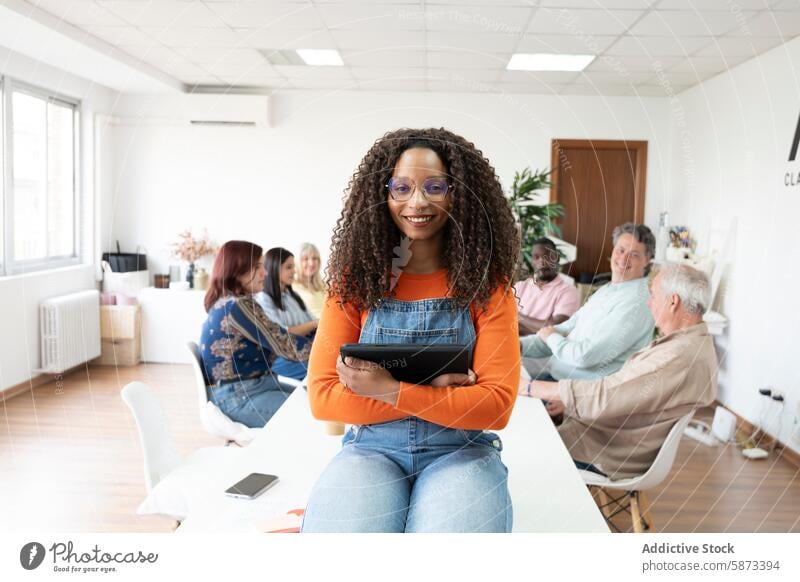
{"x": 252, "y": 486}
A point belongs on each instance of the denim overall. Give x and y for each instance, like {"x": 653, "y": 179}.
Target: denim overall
{"x": 411, "y": 475}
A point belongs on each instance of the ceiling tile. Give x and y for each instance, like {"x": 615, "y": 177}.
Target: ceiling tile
{"x": 680, "y": 79}
{"x": 739, "y": 46}
{"x": 392, "y": 75}
{"x": 79, "y": 12}
{"x": 602, "y": 78}
{"x": 466, "y": 60}
{"x": 706, "y": 64}
{"x": 384, "y": 58}
{"x": 319, "y": 73}
{"x": 182, "y": 69}
{"x": 599, "y": 4}
{"x": 719, "y": 5}
{"x": 376, "y": 39}
{"x": 155, "y": 55}
{"x": 688, "y": 23}
{"x": 550, "y": 77}
{"x": 351, "y": 16}
{"x": 162, "y": 13}
{"x": 564, "y": 43}
{"x": 485, "y": 42}
{"x": 206, "y": 55}
{"x": 490, "y": 18}
{"x": 465, "y": 76}
{"x": 179, "y": 36}
{"x": 327, "y": 85}
{"x": 658, "y": 91}
{"x": 624, "y": 65}
{"x": 657, "y": 46}
{"x": 583, "y": 23}
{"x": 264, "y": 15}
{"x": 228, "y": 69}
{"x": 122, "y": 36}
{"x": 780, "y": 24}
{"x": 279, "y": 38}
{"x": 597, "y": 90}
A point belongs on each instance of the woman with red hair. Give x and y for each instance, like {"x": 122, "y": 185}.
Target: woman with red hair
{"x": 239, "y": 345}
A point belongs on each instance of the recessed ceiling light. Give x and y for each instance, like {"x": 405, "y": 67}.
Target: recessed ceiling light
{"x": 321, "y": 57}
{"x": 545, "y": 62}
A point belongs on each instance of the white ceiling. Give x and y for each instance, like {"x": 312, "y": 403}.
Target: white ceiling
{"x": 643, "y": 47}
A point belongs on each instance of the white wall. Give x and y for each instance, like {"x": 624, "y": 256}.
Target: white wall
{"x": 732, "y": 136}
{"x": 283, "y": 185}
{"x": 20, "y": 295}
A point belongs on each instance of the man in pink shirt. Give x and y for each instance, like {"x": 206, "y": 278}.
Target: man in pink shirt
{"x": 544, "y": 299}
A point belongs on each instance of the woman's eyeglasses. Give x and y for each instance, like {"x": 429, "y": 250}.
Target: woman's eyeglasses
{"x": 434, "y": 189}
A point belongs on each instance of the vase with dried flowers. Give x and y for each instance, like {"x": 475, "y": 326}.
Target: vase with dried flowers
{"x": 190, "y": 249}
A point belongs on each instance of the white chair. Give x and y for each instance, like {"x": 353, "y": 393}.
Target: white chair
{"x": 214, "y": 421}
{"x": 633, "y": 499}
{"x": 161, "y": 457}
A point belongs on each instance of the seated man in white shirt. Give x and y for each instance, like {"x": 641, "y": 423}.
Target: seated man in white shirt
{"x": 545, "y": 298}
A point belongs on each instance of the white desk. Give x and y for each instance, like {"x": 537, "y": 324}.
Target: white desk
{"x": 546, "y": 490}
{"x": 170, "y": 318}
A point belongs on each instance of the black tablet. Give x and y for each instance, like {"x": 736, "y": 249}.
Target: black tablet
{"x": 414, "y": 363}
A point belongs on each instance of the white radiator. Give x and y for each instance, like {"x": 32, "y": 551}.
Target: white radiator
{"x": 70, "y": 330}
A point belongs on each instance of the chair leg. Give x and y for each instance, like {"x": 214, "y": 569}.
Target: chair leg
{"x": 636, "y": 517}
{"x": 604, "y": 503}
{"x": 648, "y": 519}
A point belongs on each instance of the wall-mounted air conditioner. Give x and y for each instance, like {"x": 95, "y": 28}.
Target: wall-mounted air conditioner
{"x": 196, "y": 109}
{"x": 226, "y": 109}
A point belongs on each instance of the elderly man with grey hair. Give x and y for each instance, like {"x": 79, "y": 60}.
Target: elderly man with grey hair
{"x": 616, "y": 425}
{"x": 613, "y": 324}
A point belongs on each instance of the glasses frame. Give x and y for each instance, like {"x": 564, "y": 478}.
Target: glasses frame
{"x": 421, "y": 189}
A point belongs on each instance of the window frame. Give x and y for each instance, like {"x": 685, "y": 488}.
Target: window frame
{"x": 8, "y": 265}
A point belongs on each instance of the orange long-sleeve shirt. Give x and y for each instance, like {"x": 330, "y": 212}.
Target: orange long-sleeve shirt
{"x": 496, "y": 362}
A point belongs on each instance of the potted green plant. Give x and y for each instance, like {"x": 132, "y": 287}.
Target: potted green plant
{"x": 535, "y": 219}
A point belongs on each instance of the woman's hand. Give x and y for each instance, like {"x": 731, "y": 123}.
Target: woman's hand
{"x": 445, "y": 380}
{"x": 304, "y": 328}
{"x": 368, "y": 379}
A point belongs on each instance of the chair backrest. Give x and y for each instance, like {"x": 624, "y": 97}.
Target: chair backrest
{"x": 160, "y": 453}
{"x": 200, "y": 378}
{"x": 666, "y": 456}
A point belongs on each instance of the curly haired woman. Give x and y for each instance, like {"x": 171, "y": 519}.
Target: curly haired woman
{"x": 418, "y": 458}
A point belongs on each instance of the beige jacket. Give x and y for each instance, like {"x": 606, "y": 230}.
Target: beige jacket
{"x": 619, "y": 422}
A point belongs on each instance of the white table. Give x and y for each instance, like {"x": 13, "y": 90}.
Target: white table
{"x": 546, "y": 490}
{"x": 170, "y": 318}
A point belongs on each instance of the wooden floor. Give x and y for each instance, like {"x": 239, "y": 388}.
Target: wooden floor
{"x": 70, "y": 461}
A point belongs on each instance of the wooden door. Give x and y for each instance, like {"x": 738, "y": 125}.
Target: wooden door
{"x": 601, "y": 184}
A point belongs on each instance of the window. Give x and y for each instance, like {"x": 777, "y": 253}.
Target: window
{"x": 40, "y": 179}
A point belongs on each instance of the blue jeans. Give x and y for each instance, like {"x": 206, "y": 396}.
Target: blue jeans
{"x": 411, "y": 475}
{"x": 251, "y": 402}
{"x": 290, "y": 368}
